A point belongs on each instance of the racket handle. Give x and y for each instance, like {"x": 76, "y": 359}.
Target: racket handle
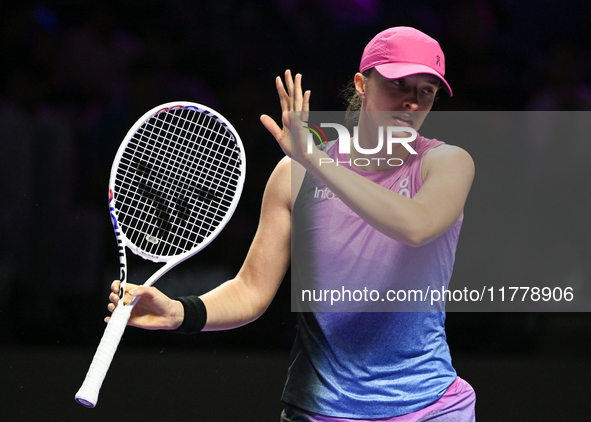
{"x": 89, "y": 391}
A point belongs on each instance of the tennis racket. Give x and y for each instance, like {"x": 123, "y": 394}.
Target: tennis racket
{"x": 175, "y": 182}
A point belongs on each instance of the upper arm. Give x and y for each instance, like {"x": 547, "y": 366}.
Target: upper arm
{"x": 269, "y": 254}
{"x": 448, "y": 172}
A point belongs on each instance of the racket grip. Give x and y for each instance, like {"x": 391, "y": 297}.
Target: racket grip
{"x": 88, "y": 393}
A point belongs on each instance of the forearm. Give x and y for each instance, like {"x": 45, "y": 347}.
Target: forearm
{"x": 231, "y": 305}
{"x": 244, "y": 298}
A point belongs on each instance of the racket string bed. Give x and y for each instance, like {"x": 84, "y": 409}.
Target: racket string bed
{"x": 167, "y": 187}
{"x": 209, "y": 190}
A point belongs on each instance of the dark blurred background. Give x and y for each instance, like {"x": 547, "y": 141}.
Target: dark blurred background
{"x": 75, "y": 75}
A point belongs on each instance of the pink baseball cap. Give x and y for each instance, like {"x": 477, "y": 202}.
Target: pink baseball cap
{"x": 402, "y": 51}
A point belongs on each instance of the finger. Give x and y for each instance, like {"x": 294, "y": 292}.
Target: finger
{"x": 297, "y": 93}
{"x": 114, "y": 298}
{"x": 115, "y": 286}
{"x": 129, "y": 286}
{"x": 139, "y": 291}
{"x": 271, "y": 126}
{"x": 306, "y": 101}
{"x": 283, "y": 96}
{"x": 290, "y": 88}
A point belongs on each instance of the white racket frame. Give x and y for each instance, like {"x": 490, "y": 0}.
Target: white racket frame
{"x": 88, "y": 393}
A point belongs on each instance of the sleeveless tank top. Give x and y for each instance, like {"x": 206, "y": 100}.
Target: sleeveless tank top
{"x": 383, "y": 359}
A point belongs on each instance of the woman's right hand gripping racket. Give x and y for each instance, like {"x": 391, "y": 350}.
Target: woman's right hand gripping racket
{"x": 175, "y": 182}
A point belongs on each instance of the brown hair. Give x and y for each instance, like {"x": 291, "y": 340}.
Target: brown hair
{"x": 353, "y": 101}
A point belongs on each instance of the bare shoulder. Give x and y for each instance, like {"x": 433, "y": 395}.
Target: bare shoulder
{"x": 448, "y": 152}
{"x": 287, "y": 179}
{"x": 448, "y": 158}
{"x": 284, "y": 166}
{"x": 279, "y": 185}
{"x": 281, "y": 176}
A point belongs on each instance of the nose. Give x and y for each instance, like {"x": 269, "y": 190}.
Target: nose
{"x": 411, "y": 101}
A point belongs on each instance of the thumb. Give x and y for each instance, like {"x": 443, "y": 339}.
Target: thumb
{"x": 140, "y": 291}
{"x": 271, "y": 126}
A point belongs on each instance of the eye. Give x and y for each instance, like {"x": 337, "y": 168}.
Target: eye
{"x": 398, "y": 82}
{"x": 431, "y": 90}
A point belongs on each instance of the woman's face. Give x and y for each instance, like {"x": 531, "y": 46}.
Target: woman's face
{"x": 410, "y": 97}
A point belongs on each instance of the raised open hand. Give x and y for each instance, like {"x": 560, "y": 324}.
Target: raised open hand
{"x": 292, "y": 137}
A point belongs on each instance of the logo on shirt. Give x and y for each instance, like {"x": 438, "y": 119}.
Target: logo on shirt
{"x": 325, "y": 193}
{"x": 403, "y": 185}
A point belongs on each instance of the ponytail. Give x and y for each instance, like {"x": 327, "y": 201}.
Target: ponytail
{"x": 353, "y": 102}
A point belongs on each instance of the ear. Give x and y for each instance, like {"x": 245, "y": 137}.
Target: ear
{"x": 360, "y": 85}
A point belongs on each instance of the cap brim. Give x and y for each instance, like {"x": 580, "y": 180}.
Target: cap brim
{"x": 400, "y": 70}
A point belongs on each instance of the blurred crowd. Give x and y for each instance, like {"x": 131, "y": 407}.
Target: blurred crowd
{"x": 75, "y": 75}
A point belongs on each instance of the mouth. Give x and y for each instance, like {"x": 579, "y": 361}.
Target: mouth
{"x": 404, "y": 120}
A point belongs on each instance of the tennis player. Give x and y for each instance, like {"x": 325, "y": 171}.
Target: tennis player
{"x": 354, "y": 366}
